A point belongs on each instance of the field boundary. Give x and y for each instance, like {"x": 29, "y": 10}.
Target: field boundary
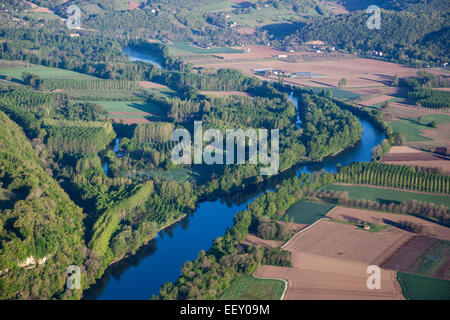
{"x": 286, "y": 283}
{"x": 295, "y": 235}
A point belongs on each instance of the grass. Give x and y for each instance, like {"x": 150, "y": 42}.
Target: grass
{"x": 179, "y": 48}
{"x": 250, "y": 288}
{"x": 411, "y": 128}
{"x": 433, "y": 262}
{"x": 373, "y": 227}
{"x": 130, "y": 106}
{"x": 337, "y": 93}
{"x": 270, "y": 15}
{"x": 416, "y": 287}
{"x": 307, "y": 212}
{"x": 385, "y": 195}
{"x": 43, "y": 73}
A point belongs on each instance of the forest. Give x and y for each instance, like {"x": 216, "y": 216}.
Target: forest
{"x": 404, "y": 37}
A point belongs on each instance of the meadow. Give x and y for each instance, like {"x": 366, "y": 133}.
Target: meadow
{"x": 411, "y": 128}
{"x": 125, "y": 107}
{"x": 250, "y": 288}
{"x": 384, "y": 195}
{"x": 307, "y": 212}
{"x": 16, "y": 71}
{"x": 417, "y": 287}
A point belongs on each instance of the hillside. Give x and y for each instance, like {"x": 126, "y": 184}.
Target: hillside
{"x": 39, "y": 224}
{"x": 404, "y": 36}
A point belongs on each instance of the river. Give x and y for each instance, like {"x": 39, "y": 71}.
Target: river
{"x": 141, "y": 275}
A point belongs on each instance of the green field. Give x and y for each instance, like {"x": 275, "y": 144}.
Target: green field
{"x": 433, "y": 262}
{"x": 411, "y": 128}
{"x": 180, "y": 48}
{"x": 271, "y": 15}
{"x": 388, "y": 195}
{"x": 250, "y": 288}
{"x": 336, "y": 93}
{"x": 417, "y": 287}
{"x": 130, "y": 106}
{"x": 307, "y": 212}
{"x": 43, "y": 73}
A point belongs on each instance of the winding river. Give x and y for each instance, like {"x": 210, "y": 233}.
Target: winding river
{"x": 141, "y": 275}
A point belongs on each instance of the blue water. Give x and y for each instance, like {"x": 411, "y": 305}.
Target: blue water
{"x": 142, "y": 275}
{"x": 136, "y": 55}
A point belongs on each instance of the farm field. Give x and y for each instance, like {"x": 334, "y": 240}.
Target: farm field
{"x": 414, "y": 130}
{"x": 130, "y": 111}
{"x": 345, "y": 241}
{"x": 180, "y": 48}
{"x": 307, "y": 212}
{"x": 330, "y": 262}
{"x": 387, "y": 195}
{"x": 375, "y": 217}
{"x": 250, "y": 288}
{"x": 359, "y": 72}
{"x": 417, "y": 287}
{"x": 412, "y": 157}
{"x": 15, "y": 70}
{"x": 435, "y": 262}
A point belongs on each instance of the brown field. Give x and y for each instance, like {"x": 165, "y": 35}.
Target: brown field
{"x": 152, "y": 85}
{"x": 318, "y": 277}
{"x": 330, "y": 261}
{"x": 342, "y": 213}
{"x": 256, "y": 52}
{"x": 402, "y": 258}
{"x": 358, "y": 72}
{"x": 440, "y": 136}
{"x": 246, "y": 30}
{"x": 412, "y": 157}
{"x": 253, "y": 240}
{"x": 134, "y": 5}
{"x": 334, "y": 6}
{"x": 345, "y": 241}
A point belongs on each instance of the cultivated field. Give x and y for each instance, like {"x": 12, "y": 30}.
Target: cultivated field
{"x": 412, "y": 157}
{"x": 306, "y": 212}
{"x": 415, "y": 131}
{"x": 250, "y": 288}
{"x": 417, "y": 287}
{"x": 330, "y": 259}
{"x": 14, "y": 69}
{"x": 375, "y": 217}
{"x": 131, "y": 112}
{"x": 182, "y": 48}
{"x": 357, "y": 71}
{"x": 435, "y": 262}
{"x": 404, "y": 255}
{"x": 345, "y": 241}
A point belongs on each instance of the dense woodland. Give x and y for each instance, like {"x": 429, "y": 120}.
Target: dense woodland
{"x": 406, "y": 37}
